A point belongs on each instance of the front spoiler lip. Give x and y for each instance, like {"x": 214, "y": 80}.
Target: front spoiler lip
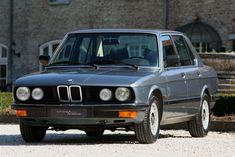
{"x": 139, "y": 106}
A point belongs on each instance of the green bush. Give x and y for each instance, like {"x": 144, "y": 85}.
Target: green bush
{"x": 6, "y": 100}
{"x": 225, "y": 105}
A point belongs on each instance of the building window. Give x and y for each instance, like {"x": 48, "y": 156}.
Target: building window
{"x": 203, "y": 37}
{"x": 3, "y": 66}
{"x": 202, "y": 46}
{"x": 137, "y": 49}
{"x": 48, "y": 49}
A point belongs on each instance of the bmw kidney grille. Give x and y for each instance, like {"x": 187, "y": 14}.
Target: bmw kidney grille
{"x": 71, "y": 93}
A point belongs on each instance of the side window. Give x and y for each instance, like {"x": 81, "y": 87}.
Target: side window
{"x": 171, "y": 59}
{"x": 190, "y": 51}
{"x": 183, "y": 50}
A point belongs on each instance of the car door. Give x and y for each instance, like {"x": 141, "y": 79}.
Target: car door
{"x": 187, "y": 61}
{"x": 176, "y": 88}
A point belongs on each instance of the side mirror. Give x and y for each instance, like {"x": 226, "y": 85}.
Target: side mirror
{"x": 44, "y": 60}
{"x": 172, "y": 61}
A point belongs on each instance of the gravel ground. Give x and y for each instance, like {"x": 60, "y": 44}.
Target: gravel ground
{"x": 123, "y": 144}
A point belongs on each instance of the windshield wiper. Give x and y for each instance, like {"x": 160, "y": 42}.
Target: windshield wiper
{"x": 94, "y": 65}
{"x": 66, "y": 63}
{"x": 115, "y": 62}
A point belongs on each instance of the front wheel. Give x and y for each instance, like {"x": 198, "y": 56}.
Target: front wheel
{"x": 199, "y": 126}
{"x": 148, "y": 131}
{"x": 32, "y": 133}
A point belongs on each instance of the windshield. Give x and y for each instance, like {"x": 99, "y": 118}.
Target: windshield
{"x": 108, "y": 48}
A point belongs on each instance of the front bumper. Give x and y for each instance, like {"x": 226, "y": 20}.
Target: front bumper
{"x": 80, "y": 115}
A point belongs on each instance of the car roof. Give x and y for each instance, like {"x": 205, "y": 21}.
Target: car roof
{"x": 151, "y": 31}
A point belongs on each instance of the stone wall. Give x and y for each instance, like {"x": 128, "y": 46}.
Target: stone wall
{"x": 4, "y": 22}
{"x": 224, "y": 64}
{"x": 36, "y": 22}
{"x": 220, "y": 61}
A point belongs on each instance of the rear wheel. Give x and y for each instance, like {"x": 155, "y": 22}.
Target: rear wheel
{"x": 148, "y": 131}
{"x": 94, "y": 132}
{"x": 199, "y": 126}
{"x": 32, "y": 133}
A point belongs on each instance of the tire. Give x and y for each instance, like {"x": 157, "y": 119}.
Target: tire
{"x": 148, "y": 131}
{"x": 32, "y": 133}
{"x": 200, "y": 125}
{"x": 94, "y": 132}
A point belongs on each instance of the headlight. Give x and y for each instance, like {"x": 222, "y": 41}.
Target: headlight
{"x": 23, "y": 93}
{"x": 122, "y": 94}
{"x": 37, "y": 94}
{"x": 105, "y": 94}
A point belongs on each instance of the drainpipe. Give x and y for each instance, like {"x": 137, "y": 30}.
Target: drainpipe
{"x": 165, "y": 14}
{"x": 10, "y": 51}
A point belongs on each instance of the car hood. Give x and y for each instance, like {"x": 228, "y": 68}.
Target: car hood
{"x": 92, "y": 77}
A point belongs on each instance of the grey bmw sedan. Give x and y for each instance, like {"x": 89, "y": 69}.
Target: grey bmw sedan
{"x": 104, "y": 79}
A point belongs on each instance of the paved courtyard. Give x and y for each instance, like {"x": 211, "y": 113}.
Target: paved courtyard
{"x": 122, "y": 144}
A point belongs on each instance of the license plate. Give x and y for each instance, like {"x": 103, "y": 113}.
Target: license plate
{"x": 57, "y": 112}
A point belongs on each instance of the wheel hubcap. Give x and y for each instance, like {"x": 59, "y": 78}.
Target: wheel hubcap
{"x": 205, "y": 114}
{"x": 154, "y": 118}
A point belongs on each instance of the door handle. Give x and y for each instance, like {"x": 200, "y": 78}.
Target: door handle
{"x": 198, "y": 73}
{"x": 183, "y": 75}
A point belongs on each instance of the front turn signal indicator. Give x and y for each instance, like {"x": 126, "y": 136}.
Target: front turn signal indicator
{"x": 128, "y": 114}
{"x": 21, "y": 113}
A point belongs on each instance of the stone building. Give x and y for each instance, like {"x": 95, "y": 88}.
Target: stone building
{"x": 39, "y": 25}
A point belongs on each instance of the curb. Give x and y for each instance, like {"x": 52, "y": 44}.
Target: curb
{"x": 221, "y": 126}
{"x": 4, "y": 119}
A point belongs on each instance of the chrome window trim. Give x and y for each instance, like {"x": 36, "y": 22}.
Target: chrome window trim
{"x": 80, "y": 90}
